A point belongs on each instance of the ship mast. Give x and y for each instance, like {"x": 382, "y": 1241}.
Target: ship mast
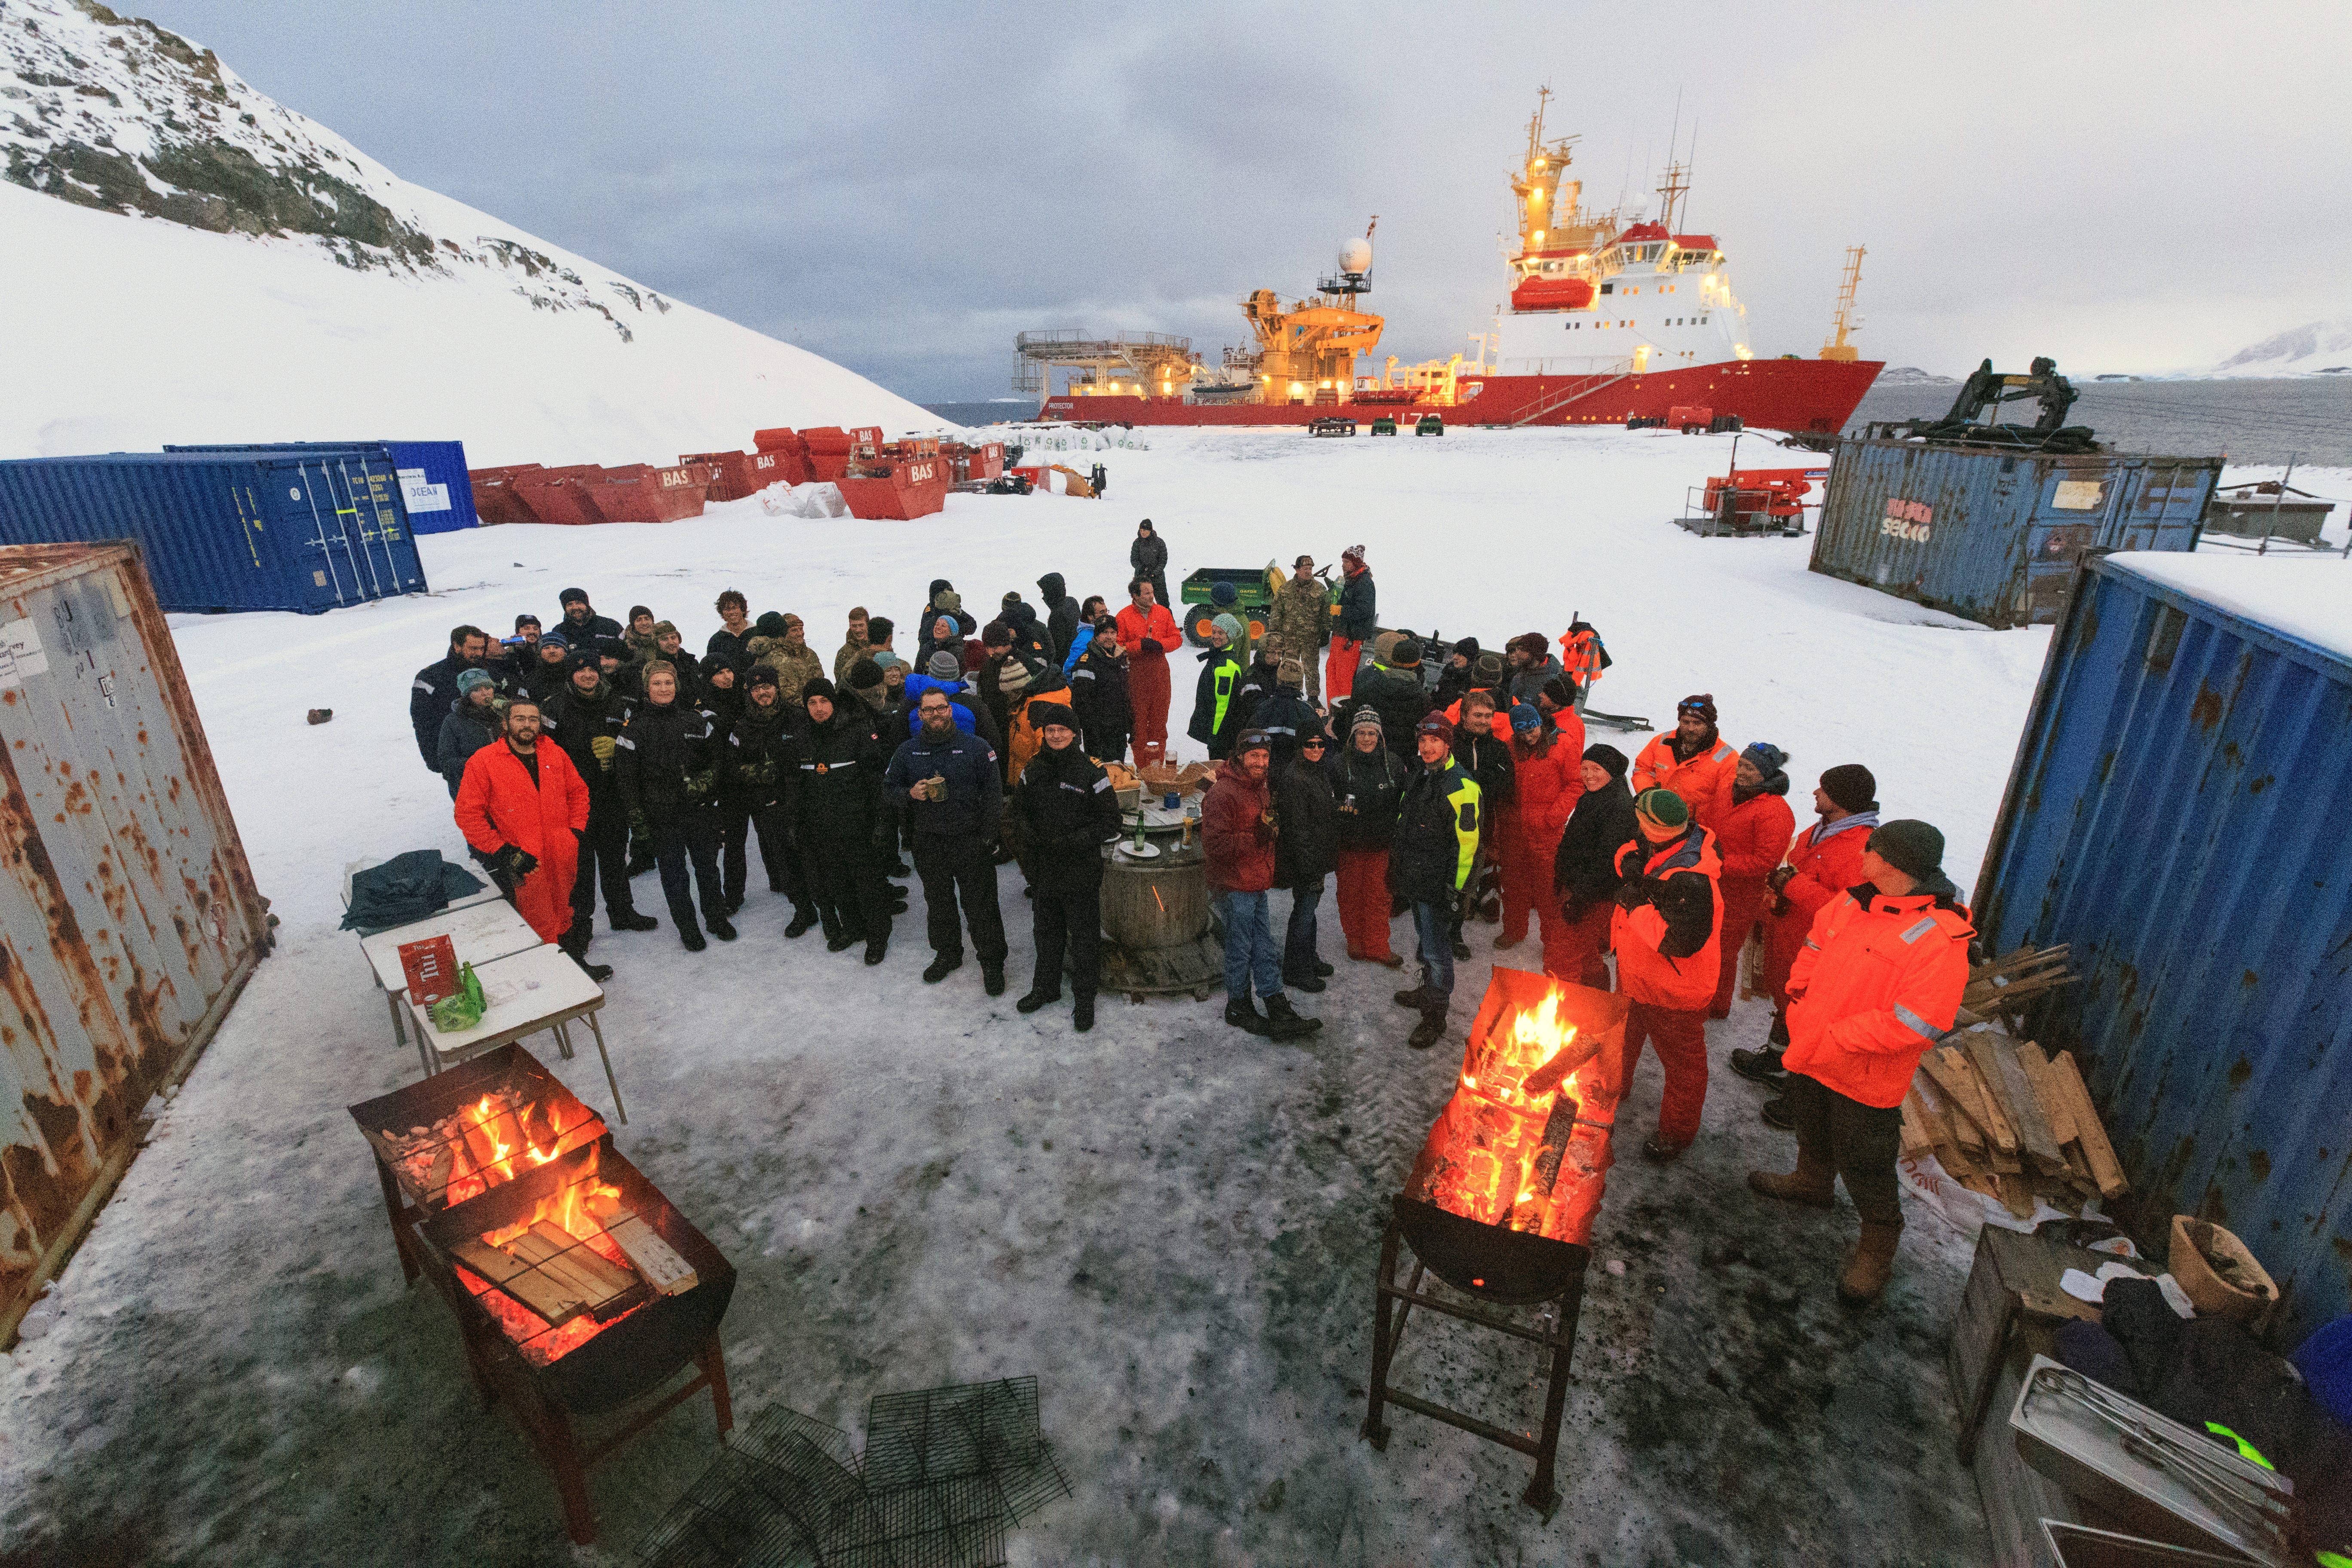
{"x": 1670, "y": 191}
{"x": 1842, "y": 323}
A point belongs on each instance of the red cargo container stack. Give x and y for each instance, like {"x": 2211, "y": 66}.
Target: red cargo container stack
{"x": 561, "y": 496}
{"x": 966, "y": 462}
{"x": 898, "y": 488}
{"x": 643, "y": 493}
{"x": 783, "y": 454}
{"x": 494, "y": 497}
{"x": 731, "y": 473}
{"x": 832, "y": 449}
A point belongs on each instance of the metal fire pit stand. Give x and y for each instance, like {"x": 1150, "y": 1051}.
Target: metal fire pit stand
{"x": 549, "y": 1426}
{"x": 1387, "y": 1335}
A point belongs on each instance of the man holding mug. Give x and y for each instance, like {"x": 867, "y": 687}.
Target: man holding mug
{"x": 949, "y": 787}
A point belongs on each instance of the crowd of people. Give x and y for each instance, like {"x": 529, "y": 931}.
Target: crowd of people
{"x": 1437, "y": 783}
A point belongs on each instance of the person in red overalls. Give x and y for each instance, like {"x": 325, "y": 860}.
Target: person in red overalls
{"x": 1693, "y": 760}
{"x": 1821, "y": 862}
{"x": 1752, "y": 836}
{"x": 1668, "y": 920}
{"x": 1547, "y": 767}
{"x": 524, "y": 807}
{"x": 1149, "y": 634}
{"x": 1354, "y": 622}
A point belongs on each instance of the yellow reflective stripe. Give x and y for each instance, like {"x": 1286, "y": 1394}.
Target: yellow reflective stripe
{"x": 1467, "y": 796}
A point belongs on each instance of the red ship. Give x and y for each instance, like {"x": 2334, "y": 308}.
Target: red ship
{"x": 1609, "y": 324}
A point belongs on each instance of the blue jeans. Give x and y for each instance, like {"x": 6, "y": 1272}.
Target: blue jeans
{"x": 1298, "y": 955}
{"x": 1433, "y": 924}
{"x": 1249, "y": 946}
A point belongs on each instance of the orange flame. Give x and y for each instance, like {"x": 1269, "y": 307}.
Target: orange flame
{"x": 1494, "y": 1179}
{"x": 579, "y": 1211}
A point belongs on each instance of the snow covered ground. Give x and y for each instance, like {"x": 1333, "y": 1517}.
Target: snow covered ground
{"x": 1174, "y": 1226}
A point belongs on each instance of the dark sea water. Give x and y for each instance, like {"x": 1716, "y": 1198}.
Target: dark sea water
{"x": 2308, "y": 418}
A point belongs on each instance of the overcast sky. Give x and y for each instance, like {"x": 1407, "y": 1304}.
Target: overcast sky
{"x": 903, "y": 188}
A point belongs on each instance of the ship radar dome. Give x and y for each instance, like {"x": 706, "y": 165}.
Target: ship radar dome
{"x": 1356, "y": 256}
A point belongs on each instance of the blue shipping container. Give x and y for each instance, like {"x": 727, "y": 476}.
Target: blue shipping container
{"x": 1993, "y": 536}
{"x": 433, "y": 484}
{"x": 2175, "y": 815}
{"x": 229, "y": 531}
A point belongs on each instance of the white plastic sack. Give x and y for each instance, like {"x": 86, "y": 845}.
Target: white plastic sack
{"x": 822, "y": 498}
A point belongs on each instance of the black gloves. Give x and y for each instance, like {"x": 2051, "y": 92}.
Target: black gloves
{"x": 1633, "y": 893}
{"x": 513, "y": 862}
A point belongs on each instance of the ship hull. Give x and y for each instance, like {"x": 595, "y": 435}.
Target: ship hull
{"x": 1797, "y": 395}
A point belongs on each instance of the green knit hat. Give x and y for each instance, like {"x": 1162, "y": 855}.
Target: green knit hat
{"x": 1662, "y": 808}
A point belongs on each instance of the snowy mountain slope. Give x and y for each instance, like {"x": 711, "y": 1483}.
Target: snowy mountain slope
{"x": 2306, "y": 350}
{"x": 189, "y": 260}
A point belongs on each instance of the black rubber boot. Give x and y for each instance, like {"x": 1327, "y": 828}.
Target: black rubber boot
{"x": 1034, "y": 1000}
{"x": 1283, "y": 1021}
{"x": 942, "y": 966}
{"x": 992, "y": 979}
{"x": 1762, "y": 1066}
{"x": 720, "y": 929}
{"x": 802, "y": 919}
{"x": 1243, "y": 1014}
{"x": 877, "y": 951}
{"x": 629, "y": 919}
{"x": 1430, "y": 1030}
{"x": 1082, "y": 1014}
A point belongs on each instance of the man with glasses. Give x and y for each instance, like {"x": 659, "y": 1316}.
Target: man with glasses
{"x": 948, "y": 784}
{"x": 1305, "y": 852}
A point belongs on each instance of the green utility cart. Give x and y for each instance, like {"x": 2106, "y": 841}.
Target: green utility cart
{"x": 1429, "y": 425}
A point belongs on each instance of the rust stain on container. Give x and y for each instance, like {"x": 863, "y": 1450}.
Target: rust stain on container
{"x": 129, "y": 918}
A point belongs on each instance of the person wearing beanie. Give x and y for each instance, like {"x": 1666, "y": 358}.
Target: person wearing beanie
{"x": 735, "y": 630}
{"x": 1149, "y": 634}
{"x": 1146, "y": 558}
{"x": 1238, "y": 829}
{"x": 1751, "y": 838}
{"x": 720, "y": 694}
{"x": 944, "y": 665}
{"x": 841, "y": 825}
{"x": 669, "y": 648}
{"x": 627, "y": 676}
{"x": 543, "y": 677}
{"x": 795, "y": 663}
{"x": 1394, "y": 691}
{"x": 1454, "y": 677}
{"x": 434, "y": 687}
{"x": 1306, "y": 851}
{"x": 1548, "y": 777}
{"x": 965, "y": 711}
{"x": 1099, "y": 693}
{"x": 1668, "y": 932}
{"x": 1439, "y": 819}
{"x": 1482, "y": 744}
{"x": 949, "y": 787}
{"x": 1369, "y": 787}
{"x": 514, "y": 661}
{"x": 1353, "y": 624}
{"x": 1529, "y": 667}
{"x": 1061, "y": 618}
{"x": 1821, "y": 862}
{"x": 928, "y": 634}
{"x": 762, "y": 781}
{"x": 669, "y": 761}
{"x": 1584, "y": 875}
{"x": 1693, "y": 760}
{"x": 1023, "y": 739}
{"x": 580, "y": 617}
{"x": 1876, "y": 982}
{"x": 476, "y": 718}
{"x": 586, "y": 718}
{"x": 1215, "y": 714}
{"x": 1090, "y": 616}
{"x": 865, "y": 683}
{"x": 1030, "y": 640}
{"x": 1281, "y": 711}
{"x": 1004, "y": 675}
{"x": 766, "y": 635}
{"x": 639, "y": 641}
{"x": 1068, "y": 811}
{"x": 1298, "y": 623}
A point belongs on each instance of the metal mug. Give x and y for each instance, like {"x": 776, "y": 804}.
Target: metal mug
{"x": 1173, "y": 800}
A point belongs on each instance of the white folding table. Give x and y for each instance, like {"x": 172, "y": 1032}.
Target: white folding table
{"x": 478, "y": 933}
{"x": 524, "y": 993}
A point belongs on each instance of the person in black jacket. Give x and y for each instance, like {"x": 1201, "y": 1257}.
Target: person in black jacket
{"x": 548, "y": 670}
{"x": 844, "y": 827}
{"x": 1584, "y": 871}
{"x": 476, "y": 717}
{"x": 1486, "y": 758}
{"x": 944, "y": 601}
{"x": 717, "y": 693}
{"x": 1439, "y": 819}
{"x": 1368, "y": 785}
{"x": 1068, "y": 811}
{"x": 1284, "y": 715}
{"x": 1099, "y": 694}
{"x": 585, "y": 718}
{"x": 521, "y": 651}
{"x": 1148, "y": 556}
{"x": 1306, "y": 851}
{"x": 1061, "y": 617}
{"x": 763, "y": 768}
{"x": 581, "y": 619}
{"x": 1396, "y": 694}
{"x": 735, "y": 630}
{"x": 1355, "y": 625}
{"x": 951, "y": 787}
{"x": 668, "y": 763}
{"x": 1454, "y": 681}
{"x": 436, "y": 687}
{"x": 1216, "y": 717}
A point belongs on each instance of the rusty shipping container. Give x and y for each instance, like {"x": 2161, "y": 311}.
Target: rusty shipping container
{"x": 2176, "y": 813}
{"x": 129, "y": 919}
{"x": 1993, "y": 536}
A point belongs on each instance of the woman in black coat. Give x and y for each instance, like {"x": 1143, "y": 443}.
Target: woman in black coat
{"x": 1370, "y": 782}
{"x": 1584, "y": 871}
{"x": 1306, "y": 851}
{"x": 1148, "y": 556}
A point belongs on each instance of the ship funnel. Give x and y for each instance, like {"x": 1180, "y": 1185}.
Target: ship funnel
{"x": 1356, "y": 257}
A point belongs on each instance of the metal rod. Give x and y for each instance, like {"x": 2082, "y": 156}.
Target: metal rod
{"x": 2278, "y": 499}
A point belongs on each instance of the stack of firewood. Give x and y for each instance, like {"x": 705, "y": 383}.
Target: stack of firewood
{"x": 1999, "y": 986}
{"x": 2010, "y": 1122}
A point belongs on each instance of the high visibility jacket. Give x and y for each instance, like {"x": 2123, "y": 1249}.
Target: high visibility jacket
{"x": 1438, "y": 820}
{"x": 1704, "y": 782}
{"x": 1665, "y": 956}
{"x": 1827, "y": 858}
{"x": 1873, "y": 988}
{"x": 1212, "y": 699}
{"x": 498, "y": 804}
{"x": 1549, "y": 777}
{"x": 1579, "y": 655}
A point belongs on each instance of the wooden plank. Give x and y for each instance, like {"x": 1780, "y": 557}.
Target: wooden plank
{"x": 534, "y": 1288}
{"x": 2106, "y": 1170}
{"x": 1916, "y": 1138}
{"x": 655, "y": 1258}
{"x": 2017, "y": 1195}
{"x": 583, "y": 1259}
{"x": 2055, "y": 1105}
{"x": 1995, "y": 1062}
{"x": 1968, "y": 1122}
{"x": 2001, "y": 1134}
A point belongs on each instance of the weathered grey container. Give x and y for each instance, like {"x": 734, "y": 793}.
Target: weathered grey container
{"x": 2177, "y": 815}
{"x": 1993, "y": 536}
{"x": 129, "y": 919}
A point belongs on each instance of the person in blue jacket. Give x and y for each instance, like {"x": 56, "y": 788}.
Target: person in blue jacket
{"x": 949, "y": 788}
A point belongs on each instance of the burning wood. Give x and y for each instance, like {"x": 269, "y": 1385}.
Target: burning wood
{"x": 482, "y": 1143}
{"x": 1523, "y": 1142}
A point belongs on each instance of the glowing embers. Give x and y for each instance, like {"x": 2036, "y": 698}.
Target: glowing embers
{"x": 1523, "y": 1144}
{"x": 442, "y": 1150}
